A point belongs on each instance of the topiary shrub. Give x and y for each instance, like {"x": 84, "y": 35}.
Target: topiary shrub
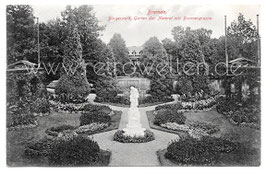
{"x": 176, "y": 106}
{"x": 168, "y": 115}
{"x": 72, "y": 88}
{"x": 54, "y": 131}
{"x": 106, "y": 89}
{"x": 199, "y": 151}
{"x": 78, "y": 151}
{"x": 121, "y": 137}
{"x": 94, "y": 117}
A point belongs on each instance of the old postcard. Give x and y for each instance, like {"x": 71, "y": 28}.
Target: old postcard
{"x": 133, "y": 85}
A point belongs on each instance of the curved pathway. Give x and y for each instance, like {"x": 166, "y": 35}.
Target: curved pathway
{"x": 133, "y": 154}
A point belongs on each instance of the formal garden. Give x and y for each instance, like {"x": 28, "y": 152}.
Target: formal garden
{"x": 186, "y": 121}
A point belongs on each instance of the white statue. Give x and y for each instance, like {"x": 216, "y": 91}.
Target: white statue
{"x": 134, "y": 127}
{"x": 134, "y": 97}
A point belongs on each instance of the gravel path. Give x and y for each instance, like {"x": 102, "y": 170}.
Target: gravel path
{"x": 133, "y": 154}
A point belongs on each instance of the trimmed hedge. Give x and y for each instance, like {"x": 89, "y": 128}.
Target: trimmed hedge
{"x": 94, "y": 117}
{"x": 204, "y": 151}
{"x": 168, "y": 115}
{"x": 121, "y": 137}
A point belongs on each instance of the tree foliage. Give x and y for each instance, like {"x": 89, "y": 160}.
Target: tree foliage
{"x": 21, "y": 34}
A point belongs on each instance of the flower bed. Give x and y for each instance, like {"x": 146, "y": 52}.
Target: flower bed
{"x": 169, "y": 115}
{"x": 200, "y": 105}
{"x": 246, "y": 114}
{"x": 93, "y": 107}
{"x": 196, "y": 130}
{"x": 54, "y": 131}
{"x": 121, "y": 137}
{"x": 94, "y": 117}
{"x": 91, "y": 128}
{"x": 67, "y": 107}
{"x": 203, "y": 151}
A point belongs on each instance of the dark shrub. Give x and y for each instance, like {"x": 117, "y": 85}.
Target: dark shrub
{"x": 19, "y": 114}
{"x": 94, "y": 117}
{"x": 38, "y": 148}
{"x": 204, "y": 151}
{"x": 106, "y": 89}
{"x": 77, "y": 151}
{"x": 95, "y": 108}
{"x": 225, "y": 105}
{"x": 121, "y": 100}
{"x": 176, "y": 106}
{"x": 54, "y": 131}
{"x": 167, "y": 115}
{"x": 72, "y": 88}
{"x": 41, "y": 105}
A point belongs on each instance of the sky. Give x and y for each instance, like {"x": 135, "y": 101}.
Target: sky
{"x": 135, "y": 33}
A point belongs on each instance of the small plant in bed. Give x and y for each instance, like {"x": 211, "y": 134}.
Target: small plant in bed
{"x": 121, "y": 137}
{"x": 163, "y": 116}
{"x": 204, "y": 151}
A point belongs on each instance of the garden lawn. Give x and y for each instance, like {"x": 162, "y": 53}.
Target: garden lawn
{"x": 17, "y": 139}
{"x": 248, "y": 136}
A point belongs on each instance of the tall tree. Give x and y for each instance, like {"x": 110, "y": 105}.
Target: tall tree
{"x": 154, "y": 50}
{"x": 21, "y": 34}
{"x": 88, "y": 28}
{"x": 190, "y": 45}
{"x": 120, "y": 51}
{"x": 243, "y": 35}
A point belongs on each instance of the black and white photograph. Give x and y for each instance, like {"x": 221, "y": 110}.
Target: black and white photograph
{"x": 140, "y": 85}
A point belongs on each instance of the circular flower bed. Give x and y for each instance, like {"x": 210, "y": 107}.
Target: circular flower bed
{"x": 121, "y": 137}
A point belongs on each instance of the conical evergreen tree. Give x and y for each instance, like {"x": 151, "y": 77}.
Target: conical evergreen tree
{"x": 73, "y": 85}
